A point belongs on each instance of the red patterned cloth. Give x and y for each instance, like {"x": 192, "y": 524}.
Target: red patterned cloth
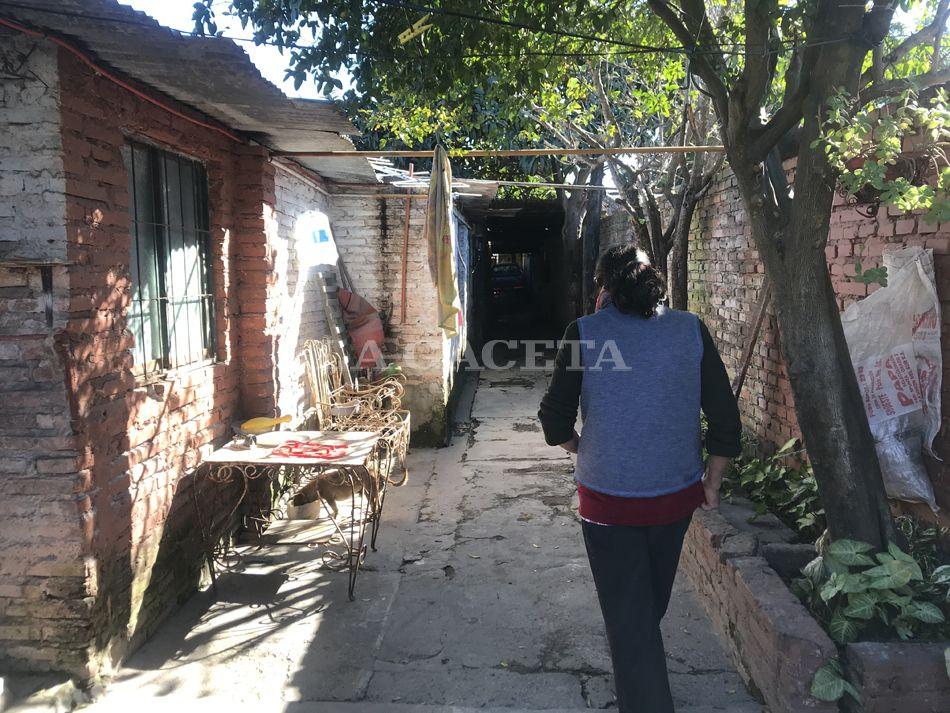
{"x": 303, "y": 449}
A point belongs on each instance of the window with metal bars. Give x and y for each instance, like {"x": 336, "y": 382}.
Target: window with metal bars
{"x": 171, "y": 315}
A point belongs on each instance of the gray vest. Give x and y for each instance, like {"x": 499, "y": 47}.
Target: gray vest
{"x": 641, "y": 428}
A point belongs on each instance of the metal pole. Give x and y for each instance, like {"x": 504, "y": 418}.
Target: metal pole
{"x": 405, "y": 252}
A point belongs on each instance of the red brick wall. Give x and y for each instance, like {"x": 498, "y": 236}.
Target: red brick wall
{"x": 725, "y": 278}
{"x": 138, "y": 443}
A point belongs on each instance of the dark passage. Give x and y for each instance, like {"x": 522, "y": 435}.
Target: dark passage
{"x": 519, "y": 292}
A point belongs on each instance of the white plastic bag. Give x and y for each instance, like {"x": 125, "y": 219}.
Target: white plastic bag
{"x": 894, "y": 340}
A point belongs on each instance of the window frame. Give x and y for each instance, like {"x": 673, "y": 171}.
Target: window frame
{"x": 155, "y": 173}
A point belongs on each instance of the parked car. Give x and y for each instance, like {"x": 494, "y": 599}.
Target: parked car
{"x": 509, "y": 287}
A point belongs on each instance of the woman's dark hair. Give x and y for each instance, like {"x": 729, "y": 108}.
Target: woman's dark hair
{"x": 634, "y": 286}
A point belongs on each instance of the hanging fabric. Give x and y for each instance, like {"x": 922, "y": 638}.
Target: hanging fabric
{"x": 440, "y": 231}
{"x": 365, "y": 328}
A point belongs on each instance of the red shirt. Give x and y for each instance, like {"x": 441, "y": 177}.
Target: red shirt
{"x": 604, "y": 509}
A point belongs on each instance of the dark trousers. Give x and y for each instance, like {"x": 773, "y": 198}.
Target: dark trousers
{"x": 633, "y": 570}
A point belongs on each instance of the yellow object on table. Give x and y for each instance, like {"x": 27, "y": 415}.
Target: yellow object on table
{"x": 263, "y": 424}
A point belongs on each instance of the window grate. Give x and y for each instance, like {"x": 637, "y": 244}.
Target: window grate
{"x": 171, "y": 315}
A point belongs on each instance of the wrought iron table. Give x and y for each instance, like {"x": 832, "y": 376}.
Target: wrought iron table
{"x": 359, "y": 466}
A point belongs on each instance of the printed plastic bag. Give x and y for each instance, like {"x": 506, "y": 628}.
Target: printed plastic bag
{"x": 894, "y": 340}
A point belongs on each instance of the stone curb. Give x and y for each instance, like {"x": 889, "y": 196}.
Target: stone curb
{"x": 906, "y": 677}
{"x": 776, "y": 644}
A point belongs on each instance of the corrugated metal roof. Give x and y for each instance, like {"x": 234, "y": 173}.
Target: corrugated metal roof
{"x": 211, "y": 74}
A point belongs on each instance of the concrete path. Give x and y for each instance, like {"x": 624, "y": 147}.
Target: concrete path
{"x": 479, "y": 598}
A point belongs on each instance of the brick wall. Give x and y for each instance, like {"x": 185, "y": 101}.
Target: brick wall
{"x": 725, "y": 278}
{"x": 99, "y": 536}
{"x": 369, "y": 232}
{"x": 139, "y": 442}
{"x": 302, "y": 202}
{"x": 31, "y": 185}
{"x": 42, "y": 570}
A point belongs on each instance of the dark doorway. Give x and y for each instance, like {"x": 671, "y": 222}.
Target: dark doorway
{"x": 522, "y": 243}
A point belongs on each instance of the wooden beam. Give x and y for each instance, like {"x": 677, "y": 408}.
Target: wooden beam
{"x": 765, "y": 296}
{"x": 501, "y": 153}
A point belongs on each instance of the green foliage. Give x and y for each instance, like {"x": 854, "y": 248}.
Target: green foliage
{"x": 864, "y": 142}
{"x": 924, "y": 541}
{"x": 782, "y": 483}
{"x": 856, "y": 592}
{"x": 830, "y": 684}
{"x": 872, "y": 275}
{"x": 469, "y": 83}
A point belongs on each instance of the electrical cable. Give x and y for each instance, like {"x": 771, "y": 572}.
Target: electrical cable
{"x": 633, "y": 48}
{"x": 85, "y": 59}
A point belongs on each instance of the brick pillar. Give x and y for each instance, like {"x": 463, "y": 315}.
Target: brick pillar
{"x": 256, "y": 294}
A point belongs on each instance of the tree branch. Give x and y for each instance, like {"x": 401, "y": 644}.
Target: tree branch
{"x": 929, "y": 33}
{"x": 706, "y": 70}
{"x": 756, "y": 72}
{"x": 605, "y": 107}
{"x": 896, "y": 86}
{"x": 797, "y": 86}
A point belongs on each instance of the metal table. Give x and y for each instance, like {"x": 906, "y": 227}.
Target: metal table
{"x": 360, "y": 469}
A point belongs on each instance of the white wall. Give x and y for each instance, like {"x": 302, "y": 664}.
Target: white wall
{"x": 370, "y": 232}
{"x": 302, "y": 209}
{"x": 32, "y": 182}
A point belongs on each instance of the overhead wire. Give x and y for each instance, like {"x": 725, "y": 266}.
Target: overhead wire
{"x": 632, "y": 48}
{"x": 118, "y": 81}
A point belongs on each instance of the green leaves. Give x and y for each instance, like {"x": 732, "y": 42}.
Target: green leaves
{"x": 861, "y": 605}
{"x": 927, "y": 613}
{"x": 866, "y": 142}
{"x": 829, "y": 683}
{"x": 850, "y": 552}
{"x": 782, "y": 483}
{"x": 893, "y": 574}
{"x": 852, "y": 592}
{"x": 843, "y": 629}
{"x": 941, "y": 575}
{"x": 872, "y": 275}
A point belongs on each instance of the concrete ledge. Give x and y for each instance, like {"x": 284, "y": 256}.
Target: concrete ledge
{"x": 905, "y": 677}
{"x": 775, "y": 642}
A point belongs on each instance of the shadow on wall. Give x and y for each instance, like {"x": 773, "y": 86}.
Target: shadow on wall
{"x": 142, "y": 533}
{"x": 138, "y": 448}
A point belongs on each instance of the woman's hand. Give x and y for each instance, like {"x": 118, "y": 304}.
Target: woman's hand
{"x": 711, "y": 491}
{"x": 712, "y": 481}
{"x": 571, "y": 445}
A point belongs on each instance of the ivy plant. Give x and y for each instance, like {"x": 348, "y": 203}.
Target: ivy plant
{"x": 856, "y": 592}
{"x": 865, "y": 141}
{"x": 782, "y": 483}
{"x": 872, "y": 275}
{"x": 830, "y": 684}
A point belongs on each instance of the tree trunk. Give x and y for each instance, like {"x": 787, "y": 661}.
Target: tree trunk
{"x": 828, "y": 402}
{"x": 575, "y": 206}
{"x": 678, "y": 262}
{"x": 791, "y": 235}
{"x": 590, "y": 240}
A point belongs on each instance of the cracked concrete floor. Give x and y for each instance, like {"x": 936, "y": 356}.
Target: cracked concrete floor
{"x": 478, "y": 598}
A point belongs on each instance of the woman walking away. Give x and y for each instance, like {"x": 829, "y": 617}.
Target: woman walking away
{"x": 641, "y": 373}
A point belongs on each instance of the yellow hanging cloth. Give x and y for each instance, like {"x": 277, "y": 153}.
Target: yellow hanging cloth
{"x": 440, "y": 230}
